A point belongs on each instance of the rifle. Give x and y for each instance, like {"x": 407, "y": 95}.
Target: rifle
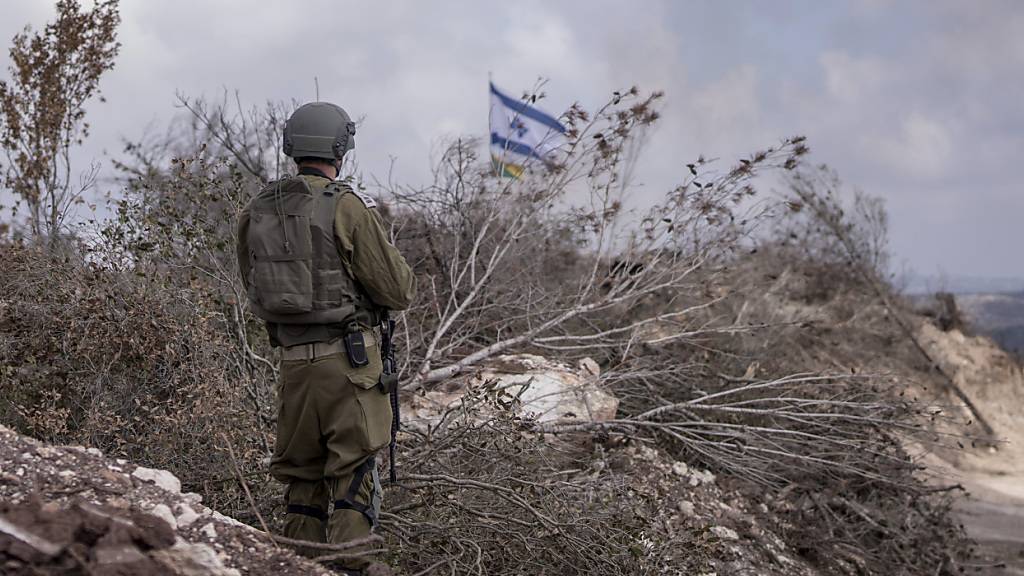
{"x": 389, "y": 383}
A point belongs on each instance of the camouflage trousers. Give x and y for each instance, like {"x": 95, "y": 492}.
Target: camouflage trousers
{"x": 332, "y": 419}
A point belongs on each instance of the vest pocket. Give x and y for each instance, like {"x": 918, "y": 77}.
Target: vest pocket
{"x": 282, "y": 262}
{"x": 283, "y": 286}
{"x": 327, "y": 286}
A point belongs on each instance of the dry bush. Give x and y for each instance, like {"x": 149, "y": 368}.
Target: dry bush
{"x": 200, "y": 376}
{"x": 109, "y": 359}
{"x": 831, "y": 448}
{"x": 497, "y": 496}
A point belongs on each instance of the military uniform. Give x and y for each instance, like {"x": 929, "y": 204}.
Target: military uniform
{"x": 333, "y": 416}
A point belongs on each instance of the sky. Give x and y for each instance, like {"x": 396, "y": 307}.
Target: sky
{"x": 918, "y": 102}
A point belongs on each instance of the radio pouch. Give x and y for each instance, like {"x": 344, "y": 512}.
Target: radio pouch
{"x": 355, "y": 349}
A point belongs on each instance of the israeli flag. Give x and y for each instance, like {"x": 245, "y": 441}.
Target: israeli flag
{"x": 520, "y": 134}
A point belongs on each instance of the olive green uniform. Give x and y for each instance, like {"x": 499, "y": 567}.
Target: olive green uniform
{"x": 333, "y": 417}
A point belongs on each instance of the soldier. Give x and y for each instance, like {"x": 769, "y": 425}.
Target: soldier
{"x": 319, "y": 269}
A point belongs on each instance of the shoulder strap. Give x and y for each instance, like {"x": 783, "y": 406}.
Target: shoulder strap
{"x": 343, "y": 188}
{"x": 326, "y": 203}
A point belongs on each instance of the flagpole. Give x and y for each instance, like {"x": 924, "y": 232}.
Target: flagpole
{"x": 497, "y": 163}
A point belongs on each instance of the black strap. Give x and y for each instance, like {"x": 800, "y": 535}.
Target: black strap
{"x": 363, "y": 509}
{"x": 311, "y": 511}
{"x": 349, "y": 502}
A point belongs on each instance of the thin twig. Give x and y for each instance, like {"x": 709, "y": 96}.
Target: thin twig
{"x": 245, "y": 487}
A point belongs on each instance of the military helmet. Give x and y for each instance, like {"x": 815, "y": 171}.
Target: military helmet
{"x": 319, "y": 130}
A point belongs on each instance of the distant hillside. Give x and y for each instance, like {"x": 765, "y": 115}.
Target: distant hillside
{"x": 927, "y": 284}
{"x": 999, "y": 316}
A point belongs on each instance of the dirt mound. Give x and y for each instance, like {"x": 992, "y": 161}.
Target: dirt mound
{"x": 993, "y": 510}
{"x": 994, "y": 381}
{"x": 68, "y": 510}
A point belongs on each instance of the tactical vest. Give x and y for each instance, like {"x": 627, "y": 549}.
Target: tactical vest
{"x": 296, "y": 275}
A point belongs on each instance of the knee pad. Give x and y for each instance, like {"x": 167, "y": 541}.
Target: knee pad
{"x": 351, "y": 499}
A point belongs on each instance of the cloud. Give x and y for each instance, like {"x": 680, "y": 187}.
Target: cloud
{"x": 924, "y": 148}
{"x": 727, "y": 108}
{"x": 850, "y": 80}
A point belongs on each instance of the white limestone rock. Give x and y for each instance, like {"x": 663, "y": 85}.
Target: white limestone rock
{"x": 725, "y": 533}
{"x": 161, "y": 478}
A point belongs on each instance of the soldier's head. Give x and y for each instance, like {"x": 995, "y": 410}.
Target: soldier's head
{"x": 319, "y": 134}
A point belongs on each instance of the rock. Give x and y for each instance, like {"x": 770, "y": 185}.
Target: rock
{"x": 686, "y": 508}
{"x": 124, "y": 554}
{"x": 680, "y": 469}
{"x": 647, "y": 454}
{"x": 535, "y": 386}
{"x": 161, "y": 478}
{"x": 94, "y": 452}
{"x": 209, "y": 531}
{"x": 186, "y": 515}
{"x": 725, "y": 533}
{"x": 163, "y": 512}
{"x": 589, "y": 366}
{"x": 186, "y": 559}
{"x": 698, "y": 477}
{"x": 115, "y": 479}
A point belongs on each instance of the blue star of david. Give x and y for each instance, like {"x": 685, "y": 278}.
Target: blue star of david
{"x": 518, "y": 127}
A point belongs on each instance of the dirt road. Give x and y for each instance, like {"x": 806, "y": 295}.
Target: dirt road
{"x": 993, "y": 515}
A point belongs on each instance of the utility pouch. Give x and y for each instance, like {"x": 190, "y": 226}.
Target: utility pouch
{"x": 388, "y": 383}
{"x": 355, "y": 349}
